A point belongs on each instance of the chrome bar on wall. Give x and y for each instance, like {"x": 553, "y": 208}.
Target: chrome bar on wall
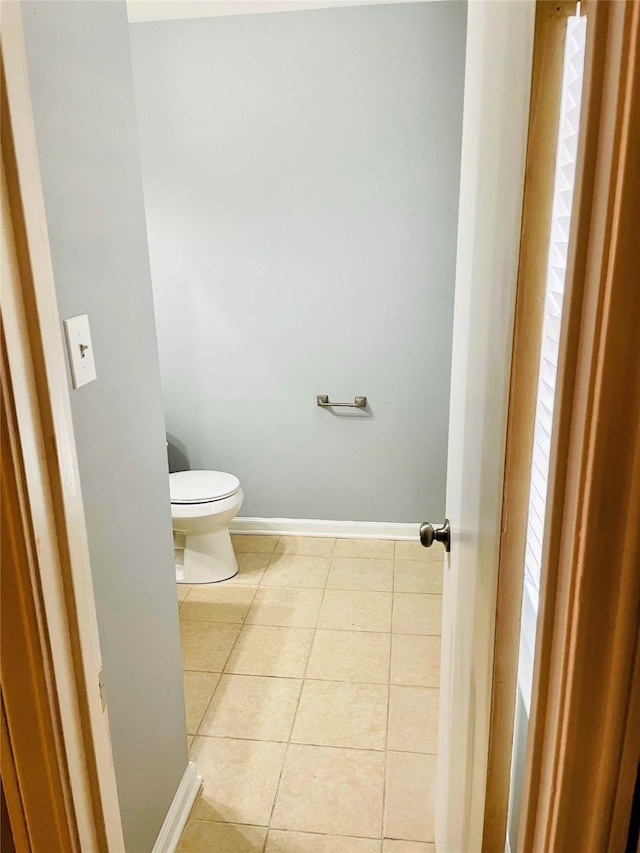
{"x": 358, "y": 402}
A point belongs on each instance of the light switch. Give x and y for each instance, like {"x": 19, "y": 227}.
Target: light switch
{"x": 80, "y": 350}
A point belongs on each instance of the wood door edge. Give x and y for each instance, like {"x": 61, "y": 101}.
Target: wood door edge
{"x": 588, "y": 625}
{"x": 546, "y": 89}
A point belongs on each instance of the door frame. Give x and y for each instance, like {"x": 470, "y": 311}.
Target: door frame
{"x": 584, "y": 736}
{"x": 47, "y": 571}
{"x": 587, "y": 496}
{"x": 577, "y": 797}
{"x": 544, "y": 113}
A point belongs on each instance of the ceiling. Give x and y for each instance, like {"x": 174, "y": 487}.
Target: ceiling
{"x": 167, "y": 10}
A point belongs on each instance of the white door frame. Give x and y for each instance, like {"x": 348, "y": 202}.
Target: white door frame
{"x": 494, "y": 138}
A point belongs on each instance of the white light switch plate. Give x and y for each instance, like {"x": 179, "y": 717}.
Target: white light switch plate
{"x": 80, "y": 350}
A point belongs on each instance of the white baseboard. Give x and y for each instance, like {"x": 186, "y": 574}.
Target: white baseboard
{"x": 320, "y": 527}
{"x": 169, "y": 835}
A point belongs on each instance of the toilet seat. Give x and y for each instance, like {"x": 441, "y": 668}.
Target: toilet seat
{"x": 199, "y": 487}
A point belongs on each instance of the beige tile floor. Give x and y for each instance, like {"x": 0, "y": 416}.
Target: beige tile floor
{"x": 311, "y": 684}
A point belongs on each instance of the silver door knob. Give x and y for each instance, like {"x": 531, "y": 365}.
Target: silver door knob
{"x": 430, "y": 534}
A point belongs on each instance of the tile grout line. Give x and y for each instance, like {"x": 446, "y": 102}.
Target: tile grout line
{"x": 386, "y": 743}
{"x": 320, "y": 746}
{"x": 293, "y": 722}
{"x": 305, "y": 627}
{"x": 318, "y": 678}
{"x": 223, "y": 672}
{"x": 226, "y": 661}
{"x": 261, "y": 826}
{"x": 213, "y": 692}
{"x": 197, "y": 735}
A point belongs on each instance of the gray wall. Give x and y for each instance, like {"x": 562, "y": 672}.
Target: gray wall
{"x": 82, "y": 92}
{"x": 301, "y": 184}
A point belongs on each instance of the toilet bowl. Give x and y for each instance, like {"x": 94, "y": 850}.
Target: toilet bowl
{"x": 202, "y": 505}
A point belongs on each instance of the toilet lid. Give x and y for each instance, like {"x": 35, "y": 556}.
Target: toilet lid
{"x": 194, "y": 487}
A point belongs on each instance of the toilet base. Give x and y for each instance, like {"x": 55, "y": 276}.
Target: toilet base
{"x": 208, "y": 558}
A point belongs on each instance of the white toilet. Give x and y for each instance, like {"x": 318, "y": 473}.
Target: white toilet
{"x": 202, "y": 505}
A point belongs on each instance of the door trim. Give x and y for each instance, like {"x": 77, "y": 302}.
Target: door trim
{"x": 584, "y": 735}
{"x": 544, "y": 111}
{"x": 52, "y": 514}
